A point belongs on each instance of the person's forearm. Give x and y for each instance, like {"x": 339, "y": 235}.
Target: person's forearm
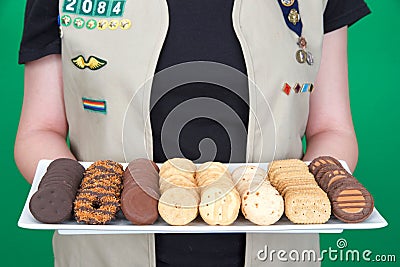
{"x": 339, "y": 144}
{"x": 29, "y": 149}
{"x": 43, "y": 125}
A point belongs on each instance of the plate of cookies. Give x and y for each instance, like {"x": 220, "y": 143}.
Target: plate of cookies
{"x": 178, "y": 196}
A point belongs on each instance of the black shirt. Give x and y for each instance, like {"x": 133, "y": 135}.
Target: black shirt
{"x": 198, "y": 31}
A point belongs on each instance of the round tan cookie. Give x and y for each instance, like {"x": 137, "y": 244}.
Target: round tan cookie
{"x": 178, "y": 206}
{"x": 212, "y": 176}
{"x": 208, "y": 166}
{"x": 176, "y": 182}
{"x": 219, "y": 206}
{"x": 264, "y": 206}
{"x": 247, "y": 171}
{"x": 178, "y": 166}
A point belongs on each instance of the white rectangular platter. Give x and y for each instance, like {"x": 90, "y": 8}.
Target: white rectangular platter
{"x": 241, "y": 225}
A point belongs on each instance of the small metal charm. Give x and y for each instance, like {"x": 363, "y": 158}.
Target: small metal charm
{"x": 310, "y": 58}
{"x": 301, "y": 56}
{"x": 287, "y": 2}
{"x": 294, "y": 16}
{"x": 297, "y": 88}
{"x": 302, "y": 42}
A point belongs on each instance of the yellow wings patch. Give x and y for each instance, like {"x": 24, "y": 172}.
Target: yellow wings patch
{"x": 93, "y": 63}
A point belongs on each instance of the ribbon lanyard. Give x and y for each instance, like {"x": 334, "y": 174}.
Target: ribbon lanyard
{"x": 291, "y": 14}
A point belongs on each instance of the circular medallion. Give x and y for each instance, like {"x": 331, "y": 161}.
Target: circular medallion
{"x": 287, "y": 2}
{"x": 301, "y": 56}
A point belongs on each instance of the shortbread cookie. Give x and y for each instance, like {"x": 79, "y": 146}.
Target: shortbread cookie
{"x": 219, "y": 206}
{"x": 178, "y": 206}
{"x": 263, "y": 206}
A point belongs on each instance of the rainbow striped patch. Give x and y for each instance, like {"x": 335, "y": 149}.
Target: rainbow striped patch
{"x": 94, "y": 105}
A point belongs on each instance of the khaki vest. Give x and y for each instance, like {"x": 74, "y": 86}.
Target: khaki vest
{"x": 108, "y": 107}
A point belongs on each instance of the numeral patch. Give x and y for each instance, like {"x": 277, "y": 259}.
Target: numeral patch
{"x": 96, "y": 8}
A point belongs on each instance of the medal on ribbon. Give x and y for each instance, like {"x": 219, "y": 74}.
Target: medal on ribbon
{"x": 291, "y": 14}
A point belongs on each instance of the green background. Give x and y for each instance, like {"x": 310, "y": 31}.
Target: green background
{"x": 374, "y": 60}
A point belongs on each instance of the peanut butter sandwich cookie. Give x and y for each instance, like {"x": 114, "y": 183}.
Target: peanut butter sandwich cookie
{"x": 305, "y": 202}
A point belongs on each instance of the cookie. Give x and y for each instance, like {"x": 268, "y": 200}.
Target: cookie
{"x": 139, "y": 198}
{"x": 324, "y": 170}
{"x": 331, "y": 176}
{"x": 307, "y": 207}
{"x": 179, "y": 166}
{"x": 286, "y": 163}
{"x": 51, "y": 205}
{"x": 53, "y": 201}
{"x": 209, "y": 166}
{"x": 219, "y": 206}
{"x": 98, "y": 198}
{"x": 139, "y": 207}
{"x": 264, "y": 206}
{"x": 178, "y": 206}
{"x": 351, "y": 203}
{"x": 322, "y": 161}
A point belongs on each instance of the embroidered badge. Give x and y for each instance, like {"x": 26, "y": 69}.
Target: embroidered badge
{"x": 91, "y": 24}
{"x": 125, "y": 24}
{"x": 95, "y": 8}
{"x": 79, "y": 23}
{"x": 93, "y": 63}
{"x": 94, "y": 105}
{"x": 103, "y": 24}
{"x": 113, "y": 24}
{"x": 66, "y": 20}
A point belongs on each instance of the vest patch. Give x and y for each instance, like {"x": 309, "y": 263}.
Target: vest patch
{"x": 91, "y": 24}
{"x": 95, "y": 8}
{"x": 93, "y": 63}
{"x": 94, "y": 105}
{"x": 65, "y": 20}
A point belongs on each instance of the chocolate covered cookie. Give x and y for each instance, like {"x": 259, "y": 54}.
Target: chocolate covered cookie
{"x": 141, "y": 192}
{"x": 53, "y": 202}
{"x": 351, "y": 203}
